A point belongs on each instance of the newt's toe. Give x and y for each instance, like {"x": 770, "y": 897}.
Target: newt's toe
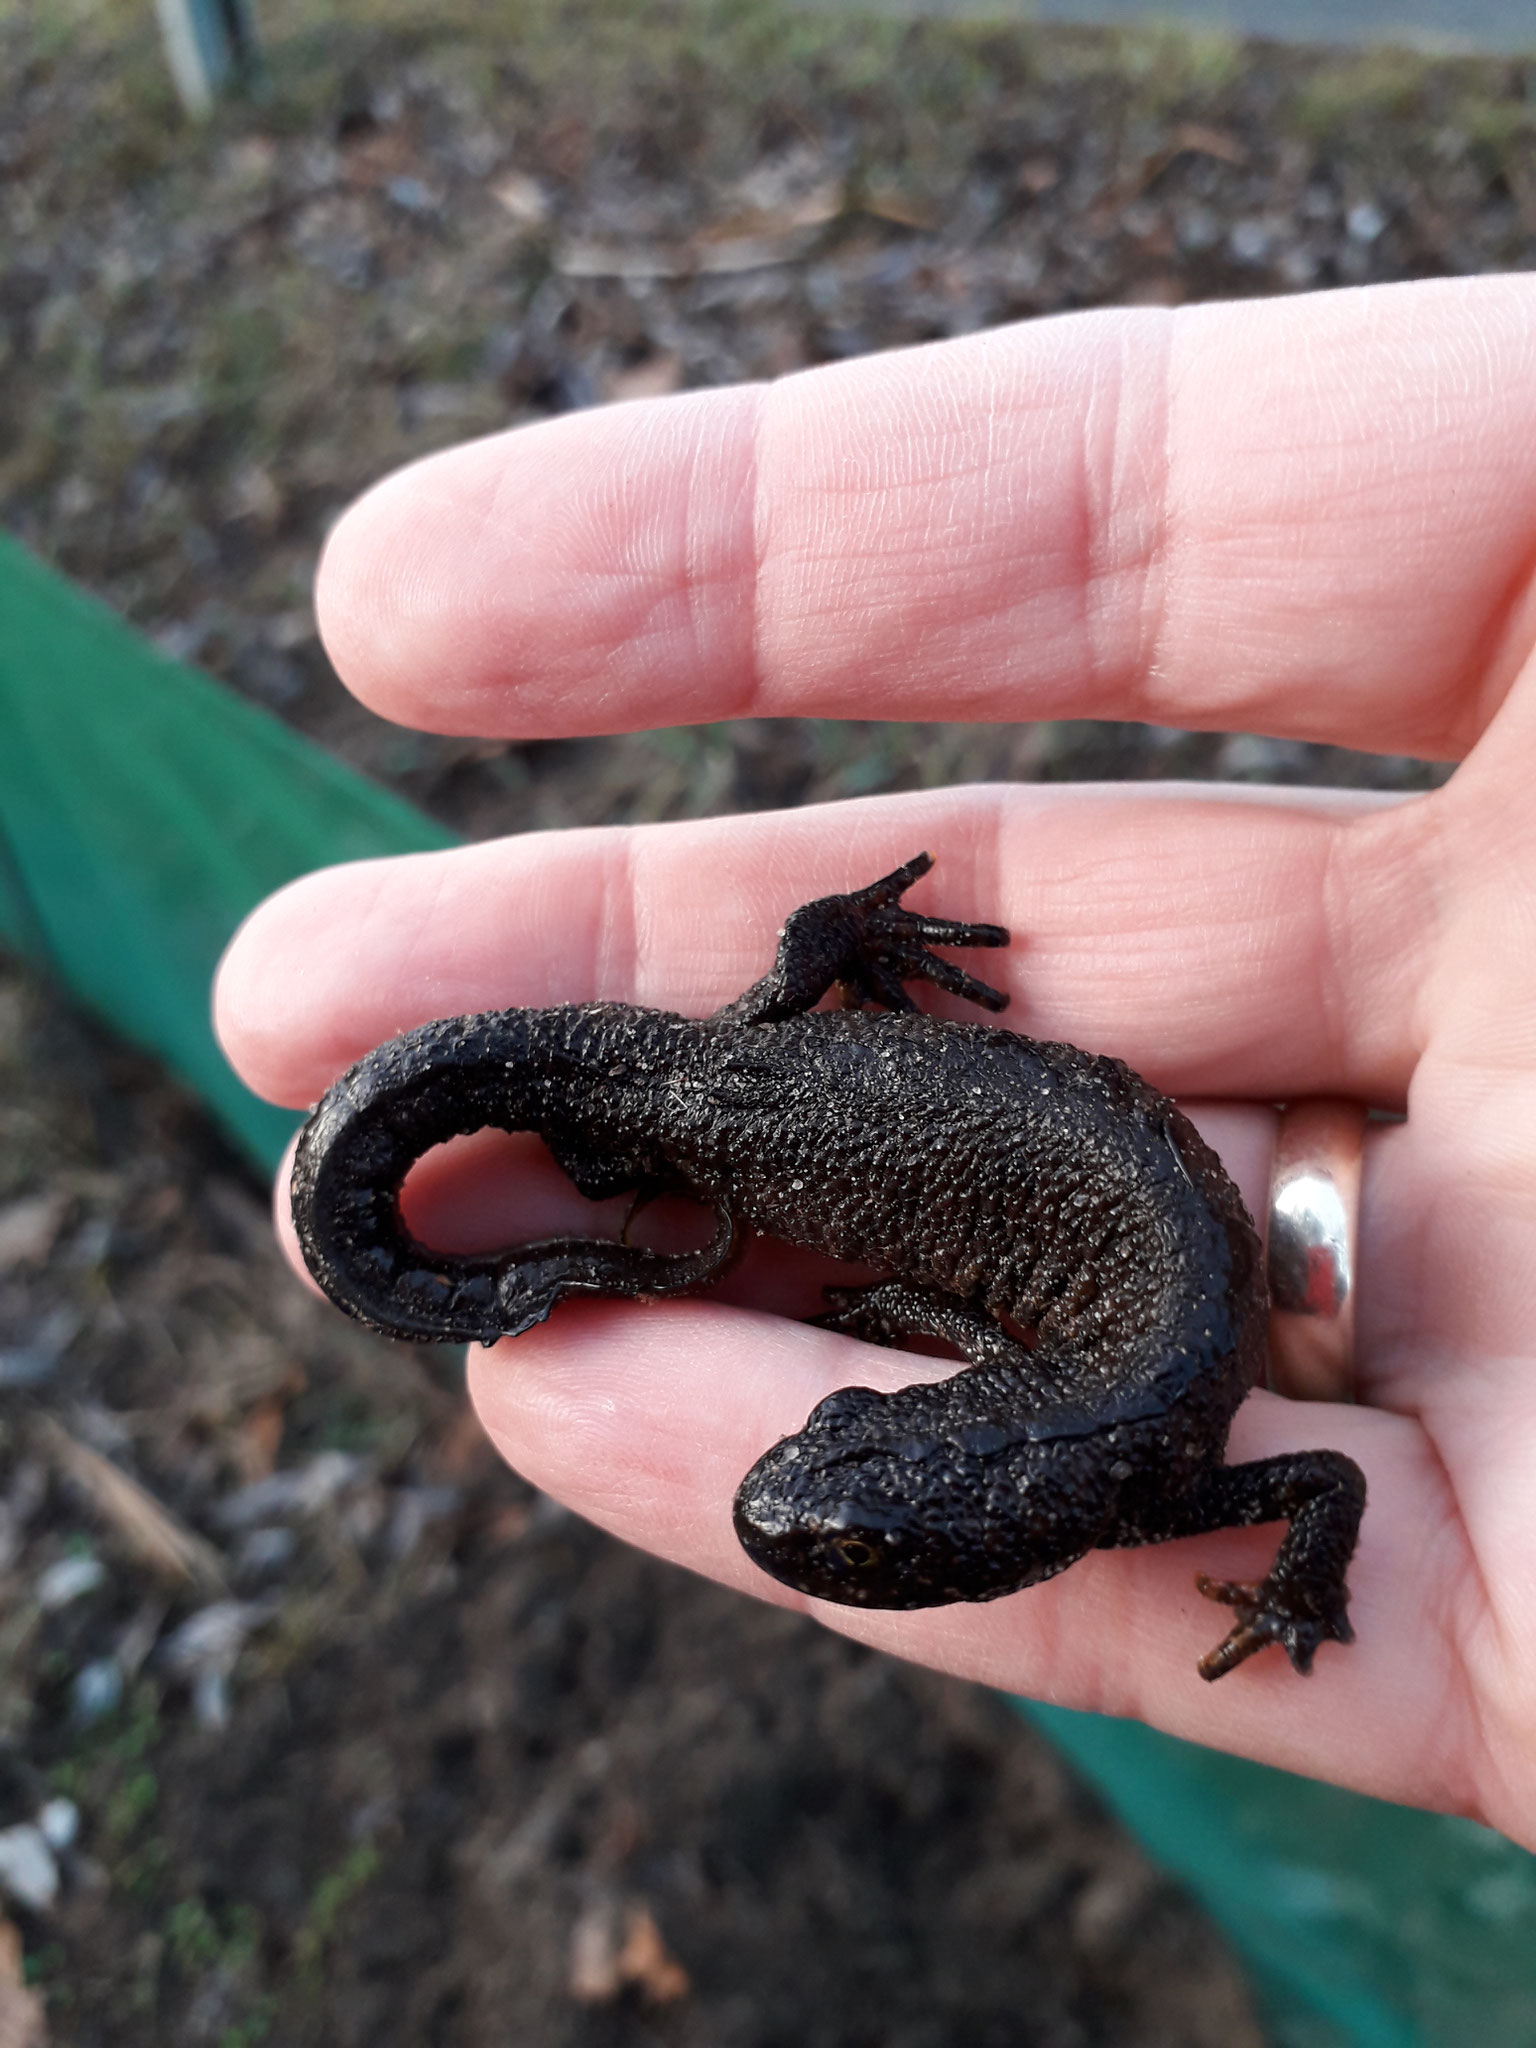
{"x": 1264, "y": 1616}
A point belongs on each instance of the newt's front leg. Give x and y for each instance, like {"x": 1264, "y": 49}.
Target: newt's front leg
{"x": 867, "y": 945}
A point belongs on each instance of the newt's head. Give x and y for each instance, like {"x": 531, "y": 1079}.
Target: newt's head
{"x": 861, "y": 1509}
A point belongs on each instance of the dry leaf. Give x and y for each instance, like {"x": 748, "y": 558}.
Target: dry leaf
{"x": 508, "y": 1524}
{"x": 259, "y": 1438}
{"x": 522, "y": 197}
{"x": 655, "y": 377}
{"x": 764, "y": 215}
{"x": 1196, "y": 140}
{"x": 370, "y": 158}
{"x": 1190, "y": 138}
{"x": 1163, "y": 288}
{"x": 717, "y": 253}
{"x": 254, "y": 495}
{"x": 593, "y": 1977}
{"x": 602, "y": 1964}
{"x": 154, "y": 1535}
{"x": 646, "y": 1962}
{"x": 889, "y": 202}
{"x": 632, "y": 262}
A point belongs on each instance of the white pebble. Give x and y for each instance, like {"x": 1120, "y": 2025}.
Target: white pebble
{"x": 70, "y": 1579}
{"x": 96, "y": 1692}
{"x": 60, "y": 1823}
{"x": 1365, "y": 222}
{"x": 28, "y": 1873}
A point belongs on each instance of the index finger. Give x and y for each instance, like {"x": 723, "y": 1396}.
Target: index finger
{"x": 1313, "y": 517}
{"x": 1257, "y": 947}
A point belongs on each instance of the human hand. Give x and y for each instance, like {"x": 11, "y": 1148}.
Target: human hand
{"x": 1313, "y": 517}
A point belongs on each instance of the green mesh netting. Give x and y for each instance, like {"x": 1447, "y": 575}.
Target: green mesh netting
{"x": 144, "y": 809}
{"x": 1362, "y": 1922}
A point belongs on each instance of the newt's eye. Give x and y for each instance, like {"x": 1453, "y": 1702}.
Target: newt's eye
{"x": 853, "y": 1550}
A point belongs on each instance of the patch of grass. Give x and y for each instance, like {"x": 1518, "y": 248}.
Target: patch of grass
{"x": 597, "y": 54}
{"x": 256, "y": 2026}
{"x": 106, "y": 1771}
{"x": 141, "y": 1873}
{"x": 115, "y": 1742}
{"x": 1166, "y": 65}
{"x": 350, "y": 1423}
{"x": 239, "y": 361}
{"x": 1499, "y": 124}
{"x": 1348, "y": 93}
{"x": 134, "y": 132}
{"x": 1501, "y": 138}
{"x": 133, "y": 1801}
{"x": 191, "y": 1937}
{"x": 328, "y": 1902}
{"x": 41, "y": 1965}
{"x": 198, "y": 1939}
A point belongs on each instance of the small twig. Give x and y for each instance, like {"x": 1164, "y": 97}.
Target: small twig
{"x": 156, "y": 1537}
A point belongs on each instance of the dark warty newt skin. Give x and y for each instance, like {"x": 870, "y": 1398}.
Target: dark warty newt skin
{"x": 997, "y": 1184}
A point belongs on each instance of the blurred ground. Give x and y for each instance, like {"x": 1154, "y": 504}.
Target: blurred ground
{"x": 358, "y": 1740}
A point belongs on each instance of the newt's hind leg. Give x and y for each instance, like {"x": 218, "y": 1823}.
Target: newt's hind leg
{"x": 867, "y": 945}
{"x": 1303, "y": 1602}
{"x": 532, "y": 1280}
{"x": 890, "y": 1310}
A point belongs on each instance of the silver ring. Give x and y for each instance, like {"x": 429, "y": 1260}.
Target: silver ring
{"x": 1314, "y": 1215}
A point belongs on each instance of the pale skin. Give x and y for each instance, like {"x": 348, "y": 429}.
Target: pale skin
{"x": 1313, "y": 517}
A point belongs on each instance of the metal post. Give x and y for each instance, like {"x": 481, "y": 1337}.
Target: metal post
{"x": 209, "y": 45}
